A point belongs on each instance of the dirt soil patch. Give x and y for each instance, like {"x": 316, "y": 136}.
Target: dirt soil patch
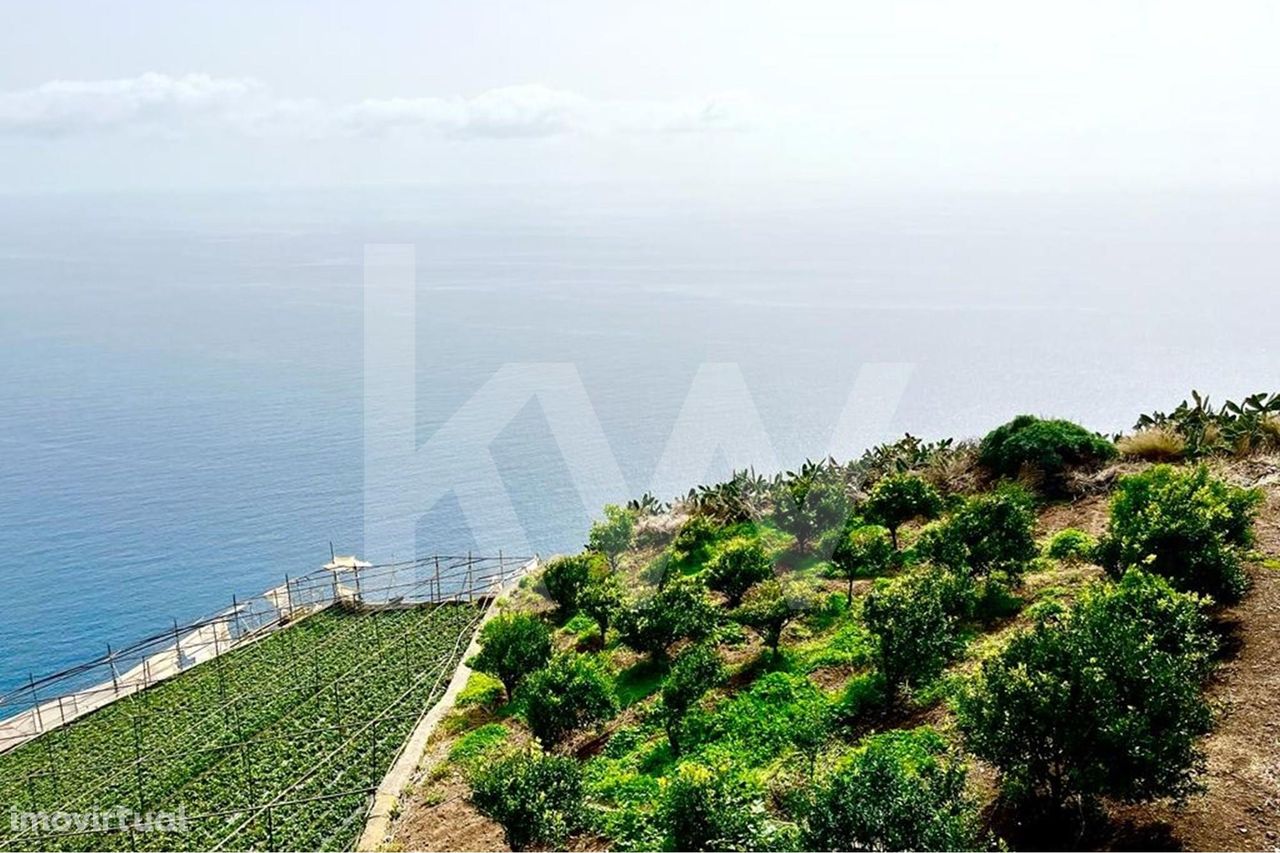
{"x": 1240, "y": 806}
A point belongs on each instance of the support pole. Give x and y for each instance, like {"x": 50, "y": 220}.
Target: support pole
{"x": 137, "y": 762}
{"x": 111, "y": 662}
{"x": 468, "y": 577}
{"x": 35, "y": 702}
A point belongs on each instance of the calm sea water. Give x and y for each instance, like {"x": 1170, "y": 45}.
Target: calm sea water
{"x": 182, "y": 413}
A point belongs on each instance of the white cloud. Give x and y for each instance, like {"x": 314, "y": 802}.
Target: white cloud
{"x": 152, "y": 101}
{"x": 159, "y": 103}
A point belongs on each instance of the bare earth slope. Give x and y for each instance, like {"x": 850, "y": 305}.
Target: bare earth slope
{"x": 1240, "y": 808}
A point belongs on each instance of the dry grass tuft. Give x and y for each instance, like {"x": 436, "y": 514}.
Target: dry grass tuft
{"x": 1155, "y": 444}
{"x": 1270, "y": 434}
{"x": 955, "y": 471}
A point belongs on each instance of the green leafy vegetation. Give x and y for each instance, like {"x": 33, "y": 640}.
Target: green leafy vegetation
{"x": 694, "y": 672}
{"x": 775, "y": 715}
{"x": 536, "y": 798}
{"x": 570, "y": 692}
{"x": 864, "y": 552}
{"x": 739, "y": 565}
{"x": 1043, "y": 450}
{"x": 1103, "y": 699}
{"x": 1196, "y": 428}
{"x": 512, "y": 645}
{"x": 694, "y": 539}
{"x": 810, "y": 501}
{"x": 309, "y": 718}
{"x": 771, "y": 606}
{"x": 903, "y": 790}
{"x": 601, "y": 599}
{"x": 1184, "y": 525}
{"x": 613, "y": 534}
{"x": 989, "y": 533}
{"x": 479, "y": 745}
{"x": 1071, "y": 546}
{"x": 678, "y": 611}
{"x": 915, "y": 620}
{"x": 900, "y": 498}
{"x": 565, "y": 578}
{"x": 788, "y": 735}
{"x": 779, "y": 711}
{"x": 716, "y": 806}
{"x": 481, "y": 690}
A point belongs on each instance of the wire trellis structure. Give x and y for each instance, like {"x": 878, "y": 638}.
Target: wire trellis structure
{"x": 271, "y": 739}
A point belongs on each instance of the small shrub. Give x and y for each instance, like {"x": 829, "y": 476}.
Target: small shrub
{"x": 1071, "y": 546}
{"x": 1043, "y": 448}
{"x": 900, "y": 498}
{"x": 612, "y": 535}
{"x": 511, "y": 646}
{"x": 536, "y": 798}
{"x": 565, "y": 578}
{"x": 1102, "y": 700}
{"x": 713, "y": 807}
{"x": 680, "y": 610}
{"x": 740, "y": 565}
{"x": 571, "y": 692}
{"x": 770, "y": 606}
{"x": 601, "y": 599}
{"x": 866, "y": 551}
{"x": 995, "y": 598}
{"x": 695, "y": 671}
{"x": 694, "y": 539}
{"x": 863, "y": 692}
{"x": 914, "y": 625}
{"x": 901, "y": 790}
{"x": 988, "y": 533}
{"x": 1153, "y": 444}
{"x": 1184, "y": 525}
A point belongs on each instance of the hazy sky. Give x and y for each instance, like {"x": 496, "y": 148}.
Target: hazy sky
{"x": 884, "y": 94}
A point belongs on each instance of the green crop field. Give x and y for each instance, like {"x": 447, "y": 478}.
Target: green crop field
{"x": 277, "y": 745}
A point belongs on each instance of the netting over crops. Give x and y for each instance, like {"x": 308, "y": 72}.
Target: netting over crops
{"x": 275, "y": 739}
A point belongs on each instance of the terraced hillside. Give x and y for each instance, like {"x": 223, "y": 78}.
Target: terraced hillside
{"x": 1046, "y": 639}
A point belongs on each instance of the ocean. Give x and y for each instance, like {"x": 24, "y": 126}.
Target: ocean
{"x": 183, "y": 373}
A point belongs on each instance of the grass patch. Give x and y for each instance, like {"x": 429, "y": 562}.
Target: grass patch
{"x": 481, "y": 691}
{"x": 479, "y": 744}
{"x": 639, "y": 681}
{"x": 848, "y": 643}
